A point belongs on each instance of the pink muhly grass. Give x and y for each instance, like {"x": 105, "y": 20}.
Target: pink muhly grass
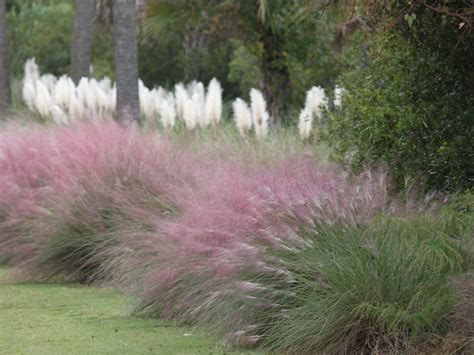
{"x": 66, "y": 178}
{"x": 196, "y": 266}
{"x": 134, "y": 180}
{"x": 194, "y": 237}
{"x": 28, "y": 165}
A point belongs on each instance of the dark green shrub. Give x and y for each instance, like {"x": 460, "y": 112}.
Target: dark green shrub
{"x": 409, "y": 103}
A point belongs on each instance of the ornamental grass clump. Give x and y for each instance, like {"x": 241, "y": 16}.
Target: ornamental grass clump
{"x": 296, "y": 257}
{"x": 30, "y": 171}
{"x": 131, "y": 185}
{"x": 194, "y": 264}
{"x": 268, "y": 249}
{"x": 383, "y": 287}
{"x": 74, "y": 192}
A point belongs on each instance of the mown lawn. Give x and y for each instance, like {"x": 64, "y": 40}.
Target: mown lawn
{"x": 71, "y": 319}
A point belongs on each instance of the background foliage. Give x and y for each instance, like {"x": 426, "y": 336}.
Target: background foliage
{"x": 408, "y": 72}
{"x": 409, "y": 101}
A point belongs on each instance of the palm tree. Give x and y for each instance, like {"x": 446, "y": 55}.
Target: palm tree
{"x": 126, "y": 63}
{"x": 81, "y": 49}
{"x": 5, "y": 94}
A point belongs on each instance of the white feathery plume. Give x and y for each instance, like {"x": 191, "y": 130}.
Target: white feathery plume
{"x": 260, "y": 115}
{"x": 105, "y": 84}
{"x": 181, "y": 99}
{"x": 196, "y": 87}
{"x": 160, "y": 92}
{"x": 32, "y": 72}
{"x": 58, "y": 115}
{"x": 242, "y": 116}
{"x": 261, "y": 131}
{"x": 191, "y": 88}
{"x": 43, "y": 99}
{"x": 102, "y": 100}
{"x": 199, "y": 108}
{"x": 200, "y": 90}
{"x": 338, "y": 96}
{"x": 171, "y": 99}
{"x": 49, "y": 80}
{"x": 82, "y": 90}
{"x": 147, "y": 104}
{"x": 75, "y": 108}
{"x": 157, "y": 96}
{"x": 91, "y": 97}
{"x": 62, "y": 92}
{"x": 189, "y": 114}
{"x": 315, "y": 100}
{"x": 29, "y": 95}
{"x": 305, "y": 124}
{"x": 141, "y": 86}
{"x": 213, "y": 105}
{"x": 167, "y": 113}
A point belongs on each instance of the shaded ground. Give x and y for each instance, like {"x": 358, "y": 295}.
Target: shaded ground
{"x": 71, "y": 319}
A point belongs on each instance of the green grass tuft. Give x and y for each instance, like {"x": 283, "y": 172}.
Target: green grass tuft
{"x": 385, "y": 286}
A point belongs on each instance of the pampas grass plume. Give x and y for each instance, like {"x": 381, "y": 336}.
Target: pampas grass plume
{"x": 58, "y": 115}
{"x": 62, "y": 92}
{"x": 213, "y": 109}
{"x": 189, "y": 114}
{"x": 181, "y": 98}
{"x": 242, "y": 117}
{"x": 260, "y": 115}
{"x": 29, "y": 95}
{"x": 305, "y": 124}
{"x": 338, "y": 96}
{"x": 167, "y": 113}
{"x": 32, "y": 72}
{"x": 42, "y": 99}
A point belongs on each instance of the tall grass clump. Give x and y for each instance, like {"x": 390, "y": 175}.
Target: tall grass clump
{"x": 133, "y": 185}
{"x": 29, "y": 166}
{"x": 98, "y": 183}
{"x": 380, "y": 288}
{"x": 228, "y": 223}
{"x": 292, "y": 256}
{"x": 264, "y": 246}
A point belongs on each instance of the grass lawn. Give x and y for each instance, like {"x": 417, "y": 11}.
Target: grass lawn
{"x": 71, "y": 319}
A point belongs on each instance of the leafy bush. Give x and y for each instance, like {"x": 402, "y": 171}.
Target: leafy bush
{"x": 409, "y": 104}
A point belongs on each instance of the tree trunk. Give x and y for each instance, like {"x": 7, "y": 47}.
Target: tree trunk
{"x": 81, "y": 49}
{"x": 5, "y": 93}
{"x": 126, "y": 63}
{"x": 276, "y": 75}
